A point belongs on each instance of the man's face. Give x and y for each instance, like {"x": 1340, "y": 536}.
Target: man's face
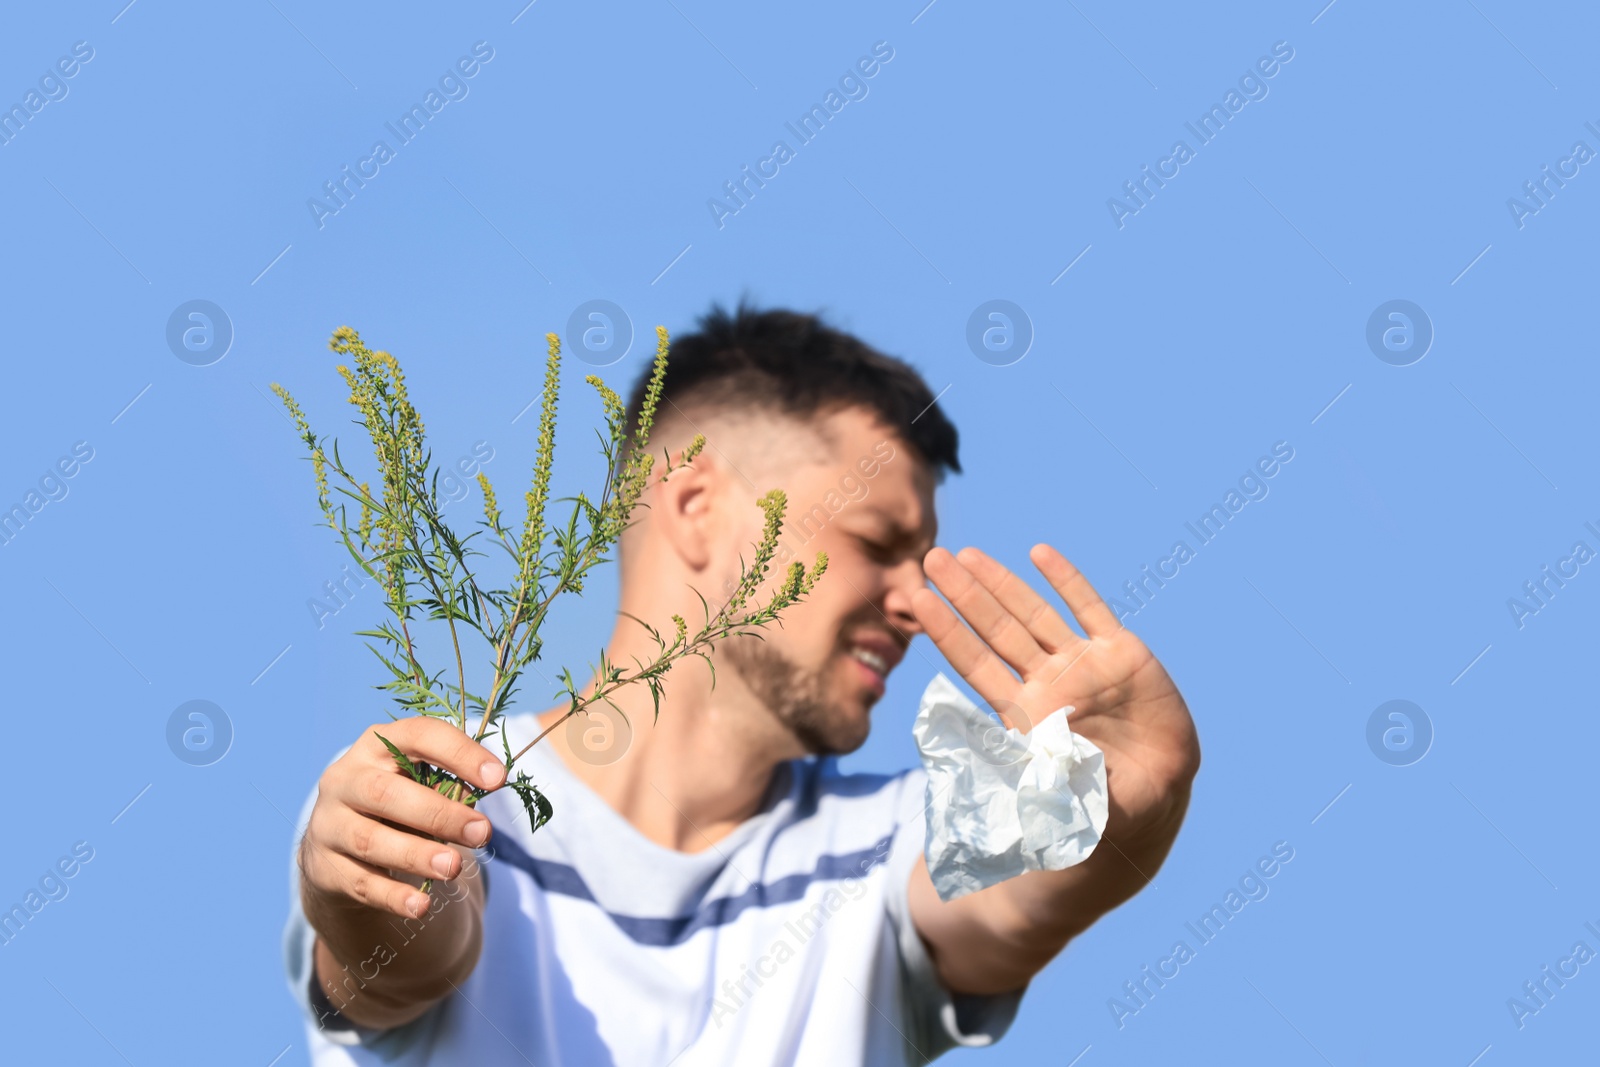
{"x": 868, "y": 503}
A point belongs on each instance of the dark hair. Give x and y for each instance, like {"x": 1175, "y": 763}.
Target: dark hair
{"x": 793, "y": 363}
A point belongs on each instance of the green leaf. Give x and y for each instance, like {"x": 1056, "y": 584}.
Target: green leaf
{"x": 400, "y": 758}
{"x": 536, "y": 803}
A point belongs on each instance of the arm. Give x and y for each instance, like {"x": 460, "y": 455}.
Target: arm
{"x": 997, "y": 939}
{"x": 385, "y": 951}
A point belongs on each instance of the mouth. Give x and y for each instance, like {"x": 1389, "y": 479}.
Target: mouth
{"x": 875, "y": 656}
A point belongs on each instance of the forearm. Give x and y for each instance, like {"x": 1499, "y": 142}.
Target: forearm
{"x": 380, "y": 970}
{"x": 997, "y": 939}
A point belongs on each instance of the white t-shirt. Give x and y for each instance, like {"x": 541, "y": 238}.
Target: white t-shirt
{"x": 788, "y": 942}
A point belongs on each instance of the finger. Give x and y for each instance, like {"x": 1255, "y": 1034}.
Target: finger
{"x": 439, "y": 743}
{"x": 987, "y": 616}
{"x": 370, "y": 841}
{"x": 1086, "y": 606}
{"x": 1035, "y": 613}
{"x": 388, "y": 795}
{"x": 335, "y": 873}
{"x": 972, "y": 659}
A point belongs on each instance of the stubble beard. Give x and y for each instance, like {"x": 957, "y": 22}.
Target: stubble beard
{"x": 798, "y": 698}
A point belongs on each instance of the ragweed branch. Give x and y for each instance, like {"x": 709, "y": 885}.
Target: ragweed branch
{"x": 422, "y": 565}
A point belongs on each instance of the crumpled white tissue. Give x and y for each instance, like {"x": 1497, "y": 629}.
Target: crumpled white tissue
{"x": 1001, "y": 802}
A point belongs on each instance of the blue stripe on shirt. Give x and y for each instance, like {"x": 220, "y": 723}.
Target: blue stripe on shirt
{"x": 555, "y": 877}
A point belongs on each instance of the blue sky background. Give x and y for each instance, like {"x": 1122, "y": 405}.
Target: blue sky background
{"x": 1229, "y": 313}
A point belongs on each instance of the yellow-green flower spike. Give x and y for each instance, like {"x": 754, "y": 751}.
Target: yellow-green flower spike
{"x": 491, "y": 510}
{"x": 818, "y": 568}
{"x": 544, "y": 459}
{"x": 364, "y": 530}
{"x": 652, "y": 393}
{"x": 616, "y": 411}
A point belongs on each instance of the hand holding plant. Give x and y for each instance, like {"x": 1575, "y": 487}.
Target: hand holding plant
{"x": 427, "y": 571}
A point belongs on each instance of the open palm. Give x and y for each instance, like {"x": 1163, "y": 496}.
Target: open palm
{"x": 1123, "y": 699}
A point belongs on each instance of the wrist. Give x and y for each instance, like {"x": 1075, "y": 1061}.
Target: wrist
{"x": 1151, "y": 835}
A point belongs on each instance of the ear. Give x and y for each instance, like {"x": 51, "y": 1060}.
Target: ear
{"x": 683, "y": 511}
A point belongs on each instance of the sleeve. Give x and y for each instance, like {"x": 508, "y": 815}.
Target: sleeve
{"x": 324, "y": 1024}
{"x": 942, "y": 1020}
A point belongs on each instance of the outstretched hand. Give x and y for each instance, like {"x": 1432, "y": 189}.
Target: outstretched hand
{"x": 1123, "y": 699}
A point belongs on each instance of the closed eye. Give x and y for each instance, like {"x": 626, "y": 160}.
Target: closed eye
{"x": 877, "y": 550}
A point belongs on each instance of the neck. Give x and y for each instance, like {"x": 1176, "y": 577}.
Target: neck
{"x": 689, "y": 778}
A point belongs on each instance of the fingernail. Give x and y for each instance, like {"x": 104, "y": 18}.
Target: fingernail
{"x": 442, "y": 864}
{"x": 491, "y": 773}
{"x": 416, "y": 904}
{"x": 477, "y": 832}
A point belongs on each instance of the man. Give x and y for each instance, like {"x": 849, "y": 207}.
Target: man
{"x": 712, "y": 890}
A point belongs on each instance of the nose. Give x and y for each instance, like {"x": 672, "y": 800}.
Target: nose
{"x": 902, "y": 582}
